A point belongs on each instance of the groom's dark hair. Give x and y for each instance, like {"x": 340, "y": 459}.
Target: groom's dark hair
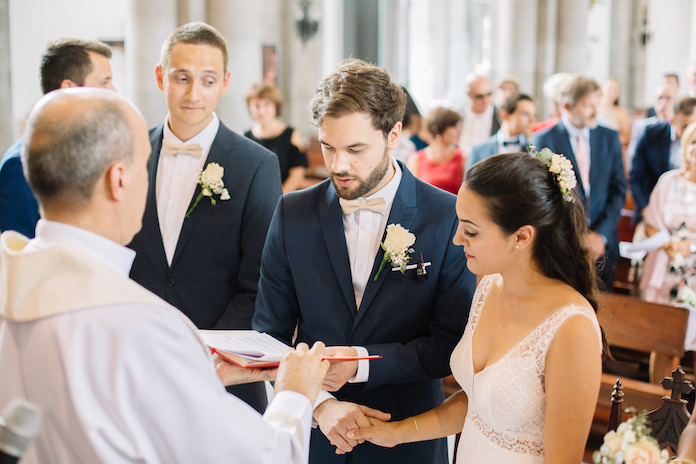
{"x": 197, "y": 33}
{"x": 359, "y": 87}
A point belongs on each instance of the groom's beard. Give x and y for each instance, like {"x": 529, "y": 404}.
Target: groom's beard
{"x": 364, "y": 186}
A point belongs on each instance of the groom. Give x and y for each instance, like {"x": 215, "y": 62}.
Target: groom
{"x": 319, "y": 272}
{"x": 204, "y": 257}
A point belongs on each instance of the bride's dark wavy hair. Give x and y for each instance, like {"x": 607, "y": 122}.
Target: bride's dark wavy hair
{"x": 519, "y": 190}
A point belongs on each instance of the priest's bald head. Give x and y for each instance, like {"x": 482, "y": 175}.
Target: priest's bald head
{"x": 85, "y": 157}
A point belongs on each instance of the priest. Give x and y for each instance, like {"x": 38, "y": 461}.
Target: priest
{"x": 120, "y": 375}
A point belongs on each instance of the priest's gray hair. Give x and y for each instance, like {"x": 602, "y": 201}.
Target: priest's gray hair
{"x": 72, "y": 137}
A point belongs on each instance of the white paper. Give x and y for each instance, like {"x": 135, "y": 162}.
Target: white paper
{"x": 638, "y": 250}
{"x": 248, "y": 343}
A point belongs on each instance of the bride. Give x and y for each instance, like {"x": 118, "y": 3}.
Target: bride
{"x": 529, "y": 362}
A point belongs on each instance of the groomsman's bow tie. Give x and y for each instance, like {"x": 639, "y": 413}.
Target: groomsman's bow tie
{"x": 378, "y": 205}
{"x": 514, "y": 141}
{"x": 173, "y": 148}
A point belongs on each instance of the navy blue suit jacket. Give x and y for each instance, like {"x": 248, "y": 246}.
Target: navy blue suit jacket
{"x": 306, "y": 281}
{"x": 607, "y": 181}
{"x": 650, "y": 161}
{"x": 19, "y": 209}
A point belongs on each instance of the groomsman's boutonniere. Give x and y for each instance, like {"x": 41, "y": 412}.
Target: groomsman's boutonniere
{"x": 211, "y": 183}
{"x": 396, "y": 246}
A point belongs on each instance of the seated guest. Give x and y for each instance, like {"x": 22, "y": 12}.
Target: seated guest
{"x": 672, "y": 208}
{"x": 552, "y": 93}
{"x": 658, "y": 151}
{"x": 265, "y": 104}
{"x": 670, "y": 80}
{"x": 518, "y": 113}
{"x": 595, "y": 152}
{"x": 508, "y": 86}
{"x": 411, "y": 124}
{"x": 613, "y": 115}
{"x": 119, "y": 374}
{"x": 480, "y": 118}
{"x": 65, "y": 63}
{"x": 441, "y": 163}
{"x": 662, "y": 111}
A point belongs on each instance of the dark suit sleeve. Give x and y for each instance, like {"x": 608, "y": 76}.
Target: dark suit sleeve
{"x": 277, "y": 308}
{"x": 18, "y": 208}
{"x": 639, "y": 173}
{"x": 616, "y": 196}
{"x": 264, "y": 191}
{"x": 428, "y": 356}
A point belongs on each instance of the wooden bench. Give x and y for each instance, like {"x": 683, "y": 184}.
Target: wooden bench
{"x": 631, "y": 323}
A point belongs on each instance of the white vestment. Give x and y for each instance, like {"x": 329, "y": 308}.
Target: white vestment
{"x": 120, "y": 375}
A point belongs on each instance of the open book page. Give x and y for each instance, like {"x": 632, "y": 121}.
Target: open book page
{"x": 247, "y": 343}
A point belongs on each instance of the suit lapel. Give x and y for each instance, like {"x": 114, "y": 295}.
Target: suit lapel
{"x": 151, "y": 224}
{"x": 331, "y": 222}
{"x": 221, "y": 152}
{"x": 563, "y": 141}
{"x": 402, "y": 212}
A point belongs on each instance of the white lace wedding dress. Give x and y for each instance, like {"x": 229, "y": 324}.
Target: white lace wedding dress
{"x": 507, "y": 400}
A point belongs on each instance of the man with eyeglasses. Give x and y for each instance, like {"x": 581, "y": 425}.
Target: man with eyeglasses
{"x": 481, "y": 119}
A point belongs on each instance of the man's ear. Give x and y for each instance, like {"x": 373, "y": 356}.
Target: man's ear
{"x": 67, "y": 83}
{"x": 504, "y": 115}
{"x": 115, "y": 181}
{"x": 225, "y": 84}
{"x": 393, "y": 137}
{"x": 159, "y": 75}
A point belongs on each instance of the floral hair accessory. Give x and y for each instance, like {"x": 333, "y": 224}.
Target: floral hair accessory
{"x": 560, "y": 167}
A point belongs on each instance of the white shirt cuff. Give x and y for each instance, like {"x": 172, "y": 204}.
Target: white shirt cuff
{"x": 323, "y": 396}
{"x": 291, "y": 413}
{"x": 363, "y": 373}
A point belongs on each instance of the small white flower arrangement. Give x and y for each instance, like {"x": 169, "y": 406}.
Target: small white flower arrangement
{"x": 210, "y": 180}
{"x": 397, "y": 245}
{"x": 560, "y": 167}
{"x": 631, "y": 444}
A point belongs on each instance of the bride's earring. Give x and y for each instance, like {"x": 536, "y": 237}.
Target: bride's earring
{"x": 517, "y": 247}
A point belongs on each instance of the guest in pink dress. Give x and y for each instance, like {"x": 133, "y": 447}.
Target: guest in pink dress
{"x": 441, "y": 163}
{"x": 672, "y": 207}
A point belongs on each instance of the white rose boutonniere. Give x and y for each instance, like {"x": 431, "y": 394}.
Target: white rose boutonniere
{"x": 397, "y": 245}
{"x": 210, "y": 180}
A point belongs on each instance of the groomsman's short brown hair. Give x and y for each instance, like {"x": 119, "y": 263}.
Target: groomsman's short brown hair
{"x": 576, "y": 89}
{"x": 359, "y": 87}
{"x": 68, "y": 58}
{"x": 197, "y": 33}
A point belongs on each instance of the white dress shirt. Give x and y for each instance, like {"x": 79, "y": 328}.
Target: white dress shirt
{"x": 177, "y": 178}
{"x": 125, "y": 383}
{"x": 475, "y": 128}
{"x": 573, "y": 133}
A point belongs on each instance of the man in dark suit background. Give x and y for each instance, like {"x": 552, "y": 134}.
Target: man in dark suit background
{"x": 518, "y": 113}
{"x": 200, "y": 248}
{"x": 595, "y": 152}
{"x": 65, "y": 63}
{"x": 659, "y": 150}
{"x": 320, "y": 272}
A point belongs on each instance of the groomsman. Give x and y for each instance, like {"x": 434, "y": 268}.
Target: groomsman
{"x": 518, "y": 113}
{"x": 200, "y": 245}
{"x": 595, "y": 152}
{"x": 65, "y": 63}
{"x": 321, "y": 272}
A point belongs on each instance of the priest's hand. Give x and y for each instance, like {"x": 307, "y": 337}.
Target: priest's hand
{"x": 235, "y": 375}
{"x": 302, "y": 370}
{"x": 339, "y": 373}
{"x": 337, "y": 418}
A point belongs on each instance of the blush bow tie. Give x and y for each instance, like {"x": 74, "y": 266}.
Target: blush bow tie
{"x": 378, "y": 205}
{"x": 170, "y": 148}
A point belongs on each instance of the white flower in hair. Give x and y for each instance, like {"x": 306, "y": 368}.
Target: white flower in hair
{"x": 560, "y": 167}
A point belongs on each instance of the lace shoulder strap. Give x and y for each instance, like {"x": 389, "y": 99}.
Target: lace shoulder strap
{"x": 482, "y": 290}
{"x": 548, "y": 329}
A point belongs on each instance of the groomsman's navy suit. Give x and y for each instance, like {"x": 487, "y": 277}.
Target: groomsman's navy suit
{"x": 650, "y": 161}
{"x": 607, "y": 185}
{"x": 215, "y": 268}
{"x": 19, "y": 209}
{"x": 306, "y": 281}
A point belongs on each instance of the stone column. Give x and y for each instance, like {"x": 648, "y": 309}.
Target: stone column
{"x": 516, "y": 51}
{"x": 571, "y": 54}
{"x": 546, "y": 53}
{"x": 148, "y": 23}
{"x": 6, "y": 138}
{"x": 621, "y": 43}
{"x": 191, "y": 10}
{"x": 246, "y": 26}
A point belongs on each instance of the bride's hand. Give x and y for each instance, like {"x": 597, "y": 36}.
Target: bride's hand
{"x": 386, "y": 434}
